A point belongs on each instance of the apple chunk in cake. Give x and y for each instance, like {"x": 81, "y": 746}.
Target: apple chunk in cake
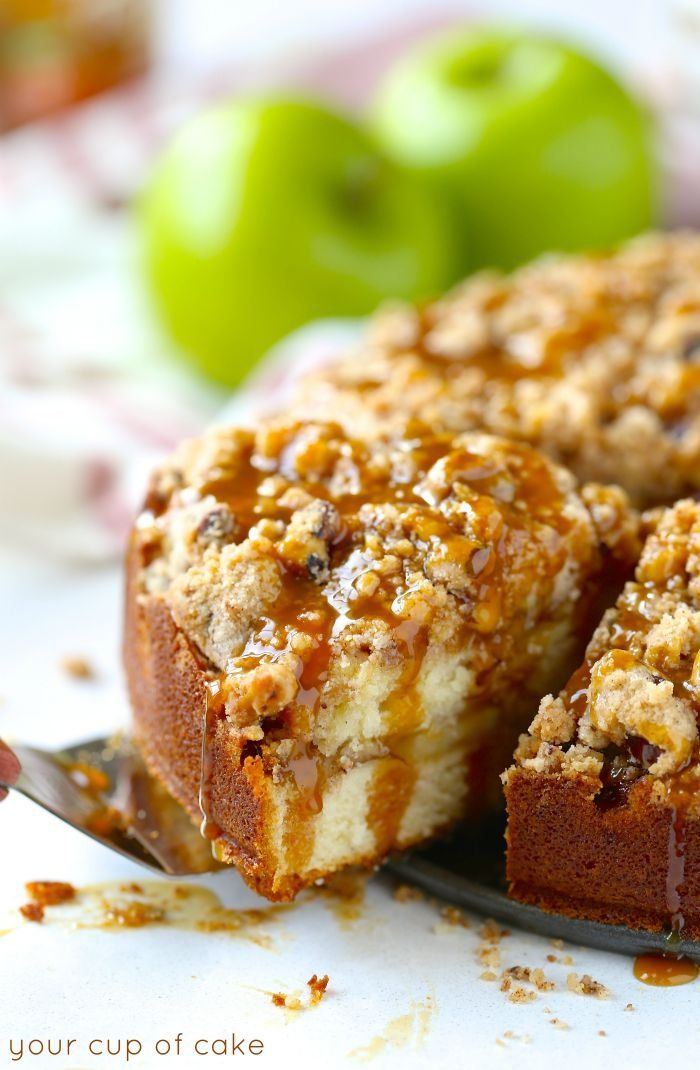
{"x": 327, "y": 639}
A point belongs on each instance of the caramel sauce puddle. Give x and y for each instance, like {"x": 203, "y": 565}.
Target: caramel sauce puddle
{"x": 664, "y": 971}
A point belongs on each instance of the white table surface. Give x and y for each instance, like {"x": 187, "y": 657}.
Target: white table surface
{"x": 403, "y": 986}
{"x": 396, "y": 961}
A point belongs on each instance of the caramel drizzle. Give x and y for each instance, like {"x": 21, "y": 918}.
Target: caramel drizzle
{"x": 324, "y": 611}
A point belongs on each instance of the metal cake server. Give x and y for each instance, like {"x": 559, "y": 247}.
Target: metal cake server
{"x": 102, "y": 788}
{"x": 84, "y": 784}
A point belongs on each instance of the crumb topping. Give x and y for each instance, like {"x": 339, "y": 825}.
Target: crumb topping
{"x": 302, "y": 564}
{"x": 594, "y": 359}
{"x": 631, "y": 711}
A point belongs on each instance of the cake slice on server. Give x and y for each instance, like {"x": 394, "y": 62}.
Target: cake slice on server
{"x": 332, "y": 644}
{"x": 604, "y": 795}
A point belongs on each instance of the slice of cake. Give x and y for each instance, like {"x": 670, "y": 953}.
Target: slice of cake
{"x": 331, "y": 644}
{"x": 604, "y": 796}
{"x": 593, "y": 359}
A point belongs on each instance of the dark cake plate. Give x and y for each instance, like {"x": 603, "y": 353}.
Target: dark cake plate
{"x": 469, "y": 871}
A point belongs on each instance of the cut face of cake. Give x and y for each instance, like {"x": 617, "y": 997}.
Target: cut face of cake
{"x": 332, "y": 644}
{"x": 593, "y": 359}
{"x": 604, "y": 796}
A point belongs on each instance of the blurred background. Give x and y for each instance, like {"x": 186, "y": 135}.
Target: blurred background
{"x": 144, "y": 279}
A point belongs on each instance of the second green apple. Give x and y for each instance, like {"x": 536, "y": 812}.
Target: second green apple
{"x": 538, "y": 146}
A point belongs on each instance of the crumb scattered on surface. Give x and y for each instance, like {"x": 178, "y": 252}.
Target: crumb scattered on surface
{"x": 44, "y": 894}
{"x": 454, "y": 916}
{"x": 518, "y": 994}
{"x": 559, "y": 944}
{"x": 293, "y": 1001}
{"x": 32, "y": 912}
{"x": 629, "y": 1007}
{"x": 533, "y": 975}
{"x": 317, "y": 986}
{"x": 524, "y": 1038}
{"x": 488, "y": 975}
{"x": 405, "y": 893}
{"x": 492, "y": 932}
{"x": 602, "y": 1033}
{"x": 559, "y": 1024}
{"x": 488, "y": 951}
{"x": 586, "y": 986}
{"x": 49, "y": 893}
{"x": 290, "y": 1002}
{"x": 79, "y": 668}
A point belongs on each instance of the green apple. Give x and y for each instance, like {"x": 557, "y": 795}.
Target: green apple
{"x": 539, "y": 147}
{"x": 264, "y": 214}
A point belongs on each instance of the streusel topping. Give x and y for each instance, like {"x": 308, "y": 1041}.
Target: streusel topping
{"x": 633, "y": 706}
{"x": 292, "y": 556}
{"x": 594, "y": 359}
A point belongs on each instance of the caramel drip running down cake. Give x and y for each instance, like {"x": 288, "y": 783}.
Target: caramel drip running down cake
{"x": 331, "y": 644}
{"x": 604, "y": 796}
{"x": 593, "y": 359}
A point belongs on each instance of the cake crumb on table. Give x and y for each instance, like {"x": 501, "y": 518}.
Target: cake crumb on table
{"x": 586, "y": 986}
{"x": 522, "y": 995}
{"x": 532, "y": 975}
{"x": 492, "y": 932}
{"x": 79, "y": 668}
{"x": 317, "y": 986}
{"x": 45, "y": 894}
{"x": 559, "y": 1024}
{"x": 32, "y": 912}
{"x": 406, "y": 893}
{"x": 49, "y": 893}
{"x": 454, "y": 916}
{"x": 629, "y": 1007}
{"x": 293, "y": 1002}
{"x": 490, "y": 957}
